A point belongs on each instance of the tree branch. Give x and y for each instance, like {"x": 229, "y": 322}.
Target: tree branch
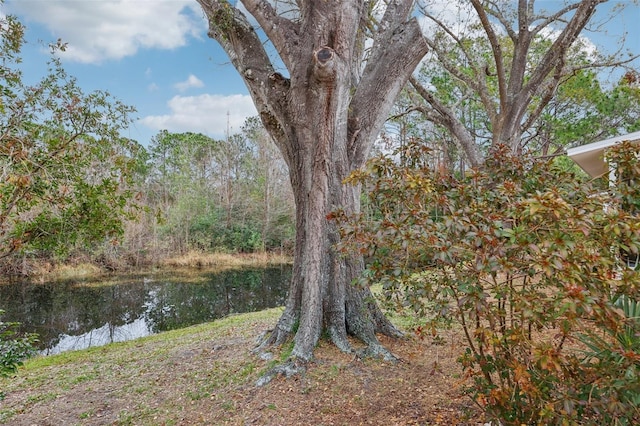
{"x": 552, "y": 18}
{"x": 385, "y": 74}
{"x": 281, "y": 31}
{"x": 478, "y": 81}
{"x": 494, "y": 11}
{"x": 524, "y": 90}
{"x": 520, "y": 51}
{"x": 451, "y": 122}
{"x": 583, "y": 13}
{"x": 496, "y": 49}
{"x": 562, "y": 74}
{"x": 231, "y": 29}
{"x": 396, "y": 13}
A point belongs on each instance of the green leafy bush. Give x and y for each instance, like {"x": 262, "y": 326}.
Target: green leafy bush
{"x": 67, "y": 173}
{"x": 212, "y": 233}
{"x": 14, "y": 347}
{"x": 525, "y": 259}
{"x": 616, "y": 398}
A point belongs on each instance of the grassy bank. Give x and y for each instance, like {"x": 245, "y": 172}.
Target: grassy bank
{"x": 152, "y": 380}
{"x": 196, "y": 259}
{"x": 206, "y": 374}
{"x": 41, "y": 270}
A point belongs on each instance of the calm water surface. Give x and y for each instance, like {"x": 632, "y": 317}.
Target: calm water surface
{"x": 76, "y": 315}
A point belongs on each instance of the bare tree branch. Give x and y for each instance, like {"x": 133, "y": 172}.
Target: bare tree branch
{"x": 281, "y": 31}
{"x": 496, "y": 49}
{"x": 494, "y": 11}
{"x": 569, "y": 34}
{"x": 396, "y": 13}
{"x": 478, "y": 80}
{"x": 387, "y": 70}
{"x": 556, "y": 17}
{"x": 451, "y": 122}
{"x": 230, "y": 27}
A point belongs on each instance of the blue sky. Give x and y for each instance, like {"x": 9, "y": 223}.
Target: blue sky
{"x": 155, "y": 55}
{"x": 151, "y": 54}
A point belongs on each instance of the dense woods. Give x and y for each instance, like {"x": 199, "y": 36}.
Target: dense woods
{"x": 74, "y": 190}
{"x": 227, "y": 195}
{"x": 184, "y": 192}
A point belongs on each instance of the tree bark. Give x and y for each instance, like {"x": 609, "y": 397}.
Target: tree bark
{"x": 324, "y": 117}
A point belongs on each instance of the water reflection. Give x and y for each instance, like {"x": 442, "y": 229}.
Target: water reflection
{"x": 74, "y": 316}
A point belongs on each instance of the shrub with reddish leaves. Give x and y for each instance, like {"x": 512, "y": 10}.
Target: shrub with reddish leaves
{"x": 526, "y": 259}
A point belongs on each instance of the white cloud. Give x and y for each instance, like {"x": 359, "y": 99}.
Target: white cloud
{"x": 458, "y": 16}
{"x": 583, "y": 45}
{"x": 153, "y": 87}
{"x": 112, "y": 29}
{"x": 204, "y": 114}
{"x": 191, "y": 81}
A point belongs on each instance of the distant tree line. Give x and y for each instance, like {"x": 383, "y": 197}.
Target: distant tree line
{"x": 205, "y": 194}
{"x": 74, "y": 189}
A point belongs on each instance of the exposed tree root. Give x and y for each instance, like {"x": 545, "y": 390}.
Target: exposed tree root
{"x": 382, "y": 323}
{"x": 377, "y": 351}
{"x": 287, "y": 369}
{"x": 339, "y": 338}
{"x": 280, "y": 334}
{"x": 298, "y": 364}
{"x": 356, "y": 315}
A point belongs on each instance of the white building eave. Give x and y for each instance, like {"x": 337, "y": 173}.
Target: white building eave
{"x": 591, "y": 156}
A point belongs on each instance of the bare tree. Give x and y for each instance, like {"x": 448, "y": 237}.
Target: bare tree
{"x": 345, "y": 61}
{"x": 509, "y": 58}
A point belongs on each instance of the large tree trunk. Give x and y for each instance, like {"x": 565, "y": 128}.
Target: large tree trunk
{"x": 322, "y": 295}
{"x": 324, "y": 118}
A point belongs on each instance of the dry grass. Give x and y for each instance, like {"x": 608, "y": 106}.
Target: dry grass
{"x": 197, "y": 259}
{"x": 81, "y": 270}
{"x": 46, "y": 271}
{"x": 38, "y": 270}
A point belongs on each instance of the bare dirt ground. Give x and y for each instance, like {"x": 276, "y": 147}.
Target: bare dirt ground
{"x": 206, "y": 376}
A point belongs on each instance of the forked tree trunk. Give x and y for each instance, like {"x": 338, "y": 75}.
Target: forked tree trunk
{"x": 524, "y": 88}
{"x": 324, "y": 118}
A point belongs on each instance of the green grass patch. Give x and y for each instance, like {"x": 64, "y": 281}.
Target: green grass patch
{"x": 171, "y": 367}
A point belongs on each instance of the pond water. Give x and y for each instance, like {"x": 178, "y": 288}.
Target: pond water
{"x": 76, "y": 315}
